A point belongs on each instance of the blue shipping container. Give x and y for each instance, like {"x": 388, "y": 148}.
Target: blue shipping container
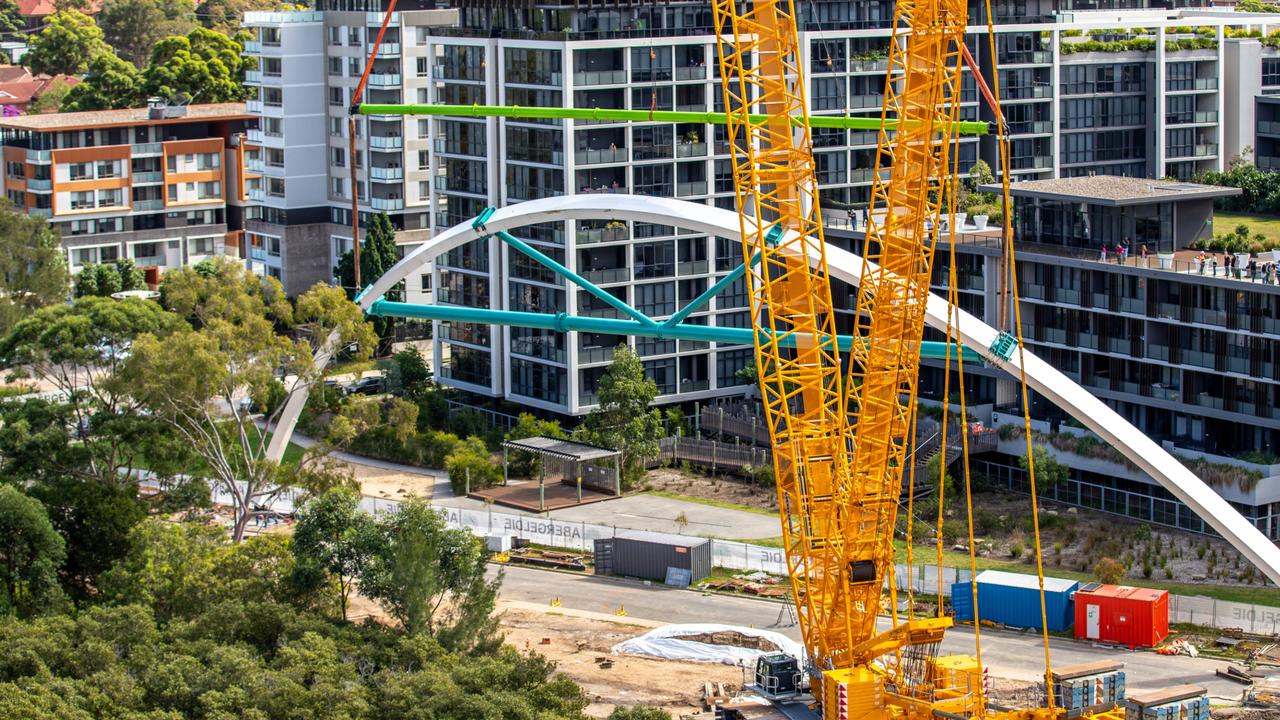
{"x": 1014, "y": 600}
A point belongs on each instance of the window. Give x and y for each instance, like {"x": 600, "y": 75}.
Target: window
{"x": 82, "y": 200}
{"x": 426, "y": 282}
{"x": 147, "y": 251}
{"x": 171, "y": 163}
{"x": 335, "y": 35}
{"x": 339, "y": 187}
{"x": 424, "y": 67}
{"x": 113, "y": 197}
{"x": 424, "y": 160}
{"x": 172, "y": 192}
{"x": 335, "y": 96}
{"x": 269, "y": 36}
{"x": 208, "y": 161}
{"x": 335, "y": 127}
{"x": 201, "y": 246}
{"x": 271, "y": 66}
{"x": 1271, "y": 71}
{"x": 15, "y": 169}
{"x": 108, "y": 168}
{"x": 424, "y": 190}
{"x": 78, "y": 171}
{"x": 424, "y": 128}
{"x": 17, "y": 197}
{"x": 210, "y": 190}
{"x": 275, "y": 157}
{"x": 272, "y": 96}
{"x": 728, "y": 363}
{"x": 272, "y": 127}
{"x": 424, "y": 34}
{"x": 275, "y": 187}
{"x": 353, "y": 36}
{"x": 656, "y": 299}
{"x": 339, "y": 157}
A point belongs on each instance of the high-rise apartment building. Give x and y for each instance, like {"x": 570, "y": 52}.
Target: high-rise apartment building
{"x": 163, "y": 186}
{"x": 1079, "y": 99}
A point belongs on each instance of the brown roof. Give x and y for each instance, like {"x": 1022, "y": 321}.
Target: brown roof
{"x": 43, "y": 8}
{"x": 1112, "y": 190}
{"x": 116, "y": 118}
{"x": 22, "y": 92}
{"x": 13, "y": 73}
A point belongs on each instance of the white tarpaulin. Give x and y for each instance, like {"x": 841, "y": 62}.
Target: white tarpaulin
{"x": 688, "y": 642}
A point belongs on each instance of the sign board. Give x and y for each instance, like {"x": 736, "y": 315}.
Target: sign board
{"x": 678, "y": 577}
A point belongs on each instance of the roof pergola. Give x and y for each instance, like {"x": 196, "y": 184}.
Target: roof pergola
{"x": 561, "y": 449}
{"x": 577, "y": 464}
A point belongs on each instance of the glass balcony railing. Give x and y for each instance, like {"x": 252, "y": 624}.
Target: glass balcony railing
{"x": 40, "y": 185}
{"x": 697, "y": 72}
{"x": 386, "y": 173}
{"x": 599, "y": 77}
{"x": 691, "y": 149}
{"x": 387, "y": 204}
{"x": 252, "y": 47}
{"x": 148, "y": 205}
{"x": 588, "y": 236}
{"x": 252, "y": 77}
{"x": 607, "y": 275}
{"x": 383, "y": 142}
{"x": 597, "y": 157}
{"x": 384, "y": 80}
{"x": 151, "y": 176}
{"x": 686, "y": 189}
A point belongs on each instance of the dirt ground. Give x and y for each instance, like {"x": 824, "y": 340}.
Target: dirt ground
{"x": 727, "y": 488}
{"x": 392, "y": 484}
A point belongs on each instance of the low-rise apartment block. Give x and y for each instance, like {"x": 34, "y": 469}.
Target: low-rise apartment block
{"x": 163, "y": 186}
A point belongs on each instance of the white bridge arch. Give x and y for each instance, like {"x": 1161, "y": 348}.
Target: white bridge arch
{"x": 843, "y": 265}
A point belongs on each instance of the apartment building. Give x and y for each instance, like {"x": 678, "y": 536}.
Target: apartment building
{"x": 162, "y": 185}
{"x": 1077, "y": 102}
{"x": 1184, "y": 352}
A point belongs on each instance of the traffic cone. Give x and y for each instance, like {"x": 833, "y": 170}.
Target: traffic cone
{"x": 621, "y": 611}
{"x": 555, "y": 602}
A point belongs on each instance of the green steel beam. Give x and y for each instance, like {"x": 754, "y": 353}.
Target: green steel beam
{"x": 563, "y": 322}
{"x": 848, "y": 122}
{"x": 709, "y": 293}
{"x": 569, "y": 275}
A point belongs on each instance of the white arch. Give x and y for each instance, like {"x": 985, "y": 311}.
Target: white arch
{"x": 973, "y": 332}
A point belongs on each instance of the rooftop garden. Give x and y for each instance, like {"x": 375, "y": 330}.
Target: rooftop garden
{"x": 1114, "y": 40}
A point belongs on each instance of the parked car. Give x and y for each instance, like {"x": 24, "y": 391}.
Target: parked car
{"x": 367, "y": 386}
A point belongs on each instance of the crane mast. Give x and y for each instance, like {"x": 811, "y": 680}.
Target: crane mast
{"x": 838, "y": 485}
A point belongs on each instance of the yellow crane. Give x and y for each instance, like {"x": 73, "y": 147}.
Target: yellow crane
{"x": 839, "y": 484}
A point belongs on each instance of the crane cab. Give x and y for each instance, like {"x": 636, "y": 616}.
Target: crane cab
{"x": 778, "y": 676}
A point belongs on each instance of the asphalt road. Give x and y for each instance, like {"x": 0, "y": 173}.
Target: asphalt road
{"x": 1008, "y": 654}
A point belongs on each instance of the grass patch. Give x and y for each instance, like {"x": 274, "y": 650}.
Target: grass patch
{"x": 1259, "y": 595}
{"x": 1269, "y": 225}
{"x": 713, "y": 503}
{"x": 773, "y": 542}
{"x": 351, "y": 367}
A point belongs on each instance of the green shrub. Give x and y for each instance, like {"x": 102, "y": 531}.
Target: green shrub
{"x": 471, "y": 464}
{"x": 435, "y": 446}
{"x": 1016, "y": 550}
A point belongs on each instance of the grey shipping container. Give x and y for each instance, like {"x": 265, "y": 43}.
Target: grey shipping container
{"x": 650, "y": 560}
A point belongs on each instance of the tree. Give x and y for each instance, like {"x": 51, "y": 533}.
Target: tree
{"x": 11, "y": 20}
{"x": 1109, "y": 571}
{"x": 111, "y": 84}
{"x": 1049, "y": 472}
{"x": 33, "y": 273}
{"x": 935, "y": 476}
{"x": 194, "y": 379}
{"x": 94, "y": 521}
{"x": 224, "y": 15}
{"x": 334, "y": 538}
{"x": 50, "y": 101}
{"x": 133, "y": 27}
{"x": 639, "y": 712}
{"x": 470, "y": 466}
{"x": 30, "y": 553}
{"x": 80, "y": 349}
{"x": 432, "y": 579}
{"x": 624, "y": 420}
{"x": 69, "y": 41}
{"x": 377, "y": 254}
{"x": 205, "y": 66}
{"x": 525, "y": 464}
{"x": 413, "y": 371}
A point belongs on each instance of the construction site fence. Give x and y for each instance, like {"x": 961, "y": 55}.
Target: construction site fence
{"x": 923, "y": 579}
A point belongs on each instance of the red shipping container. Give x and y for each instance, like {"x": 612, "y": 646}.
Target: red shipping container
{"x": 1131, "y": 616}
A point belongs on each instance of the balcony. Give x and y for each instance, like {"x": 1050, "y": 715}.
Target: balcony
{"x": 1206, "y": 150}
{"x": 38, "y": 156}
{"x": 698, "y": 72}
{"x": 389, "y": 50}
{"x": 1031, "y": 162}
{"x": 598, "y": 157}
{"x": 1269, "y": 127}
{"x": 252, "y": 47}
{"x": 254, "y": 136}
{"x": 448, "y": 183}
{"x": 385, "y": 142}
{"x": 685, "y": 189}
{"x": 254, "y": 107}
{"x": 860, "y": 102}
{"x": 599, "y": 77}
{"x": 148, "y": 149}
{"x": 877, "y": 65}
{"x": 589, "y": 236}
{"x": 252, "y": 77}
{"x": 594, "y": 355}
{"x": 1207, "y": 117}
{"x": 1037, "y": 127}
{"x": 1034, "y": 57}
{"x": 40, "y": 212}
{"x": 1266, "y": 162}
{"x": 40, "y": 185}
{"x": 375, "y": 18}
{"x": 257, "y": 194}
{"x": 387, "y": 204}
{"x": 609, "y": 275}
{"x": 384, "y": 80}
{"x": 144, "y": 178}
{"x": 148, "y": 205}
{"x": 691, "y": 149}
{"x": 386, "y": 174}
